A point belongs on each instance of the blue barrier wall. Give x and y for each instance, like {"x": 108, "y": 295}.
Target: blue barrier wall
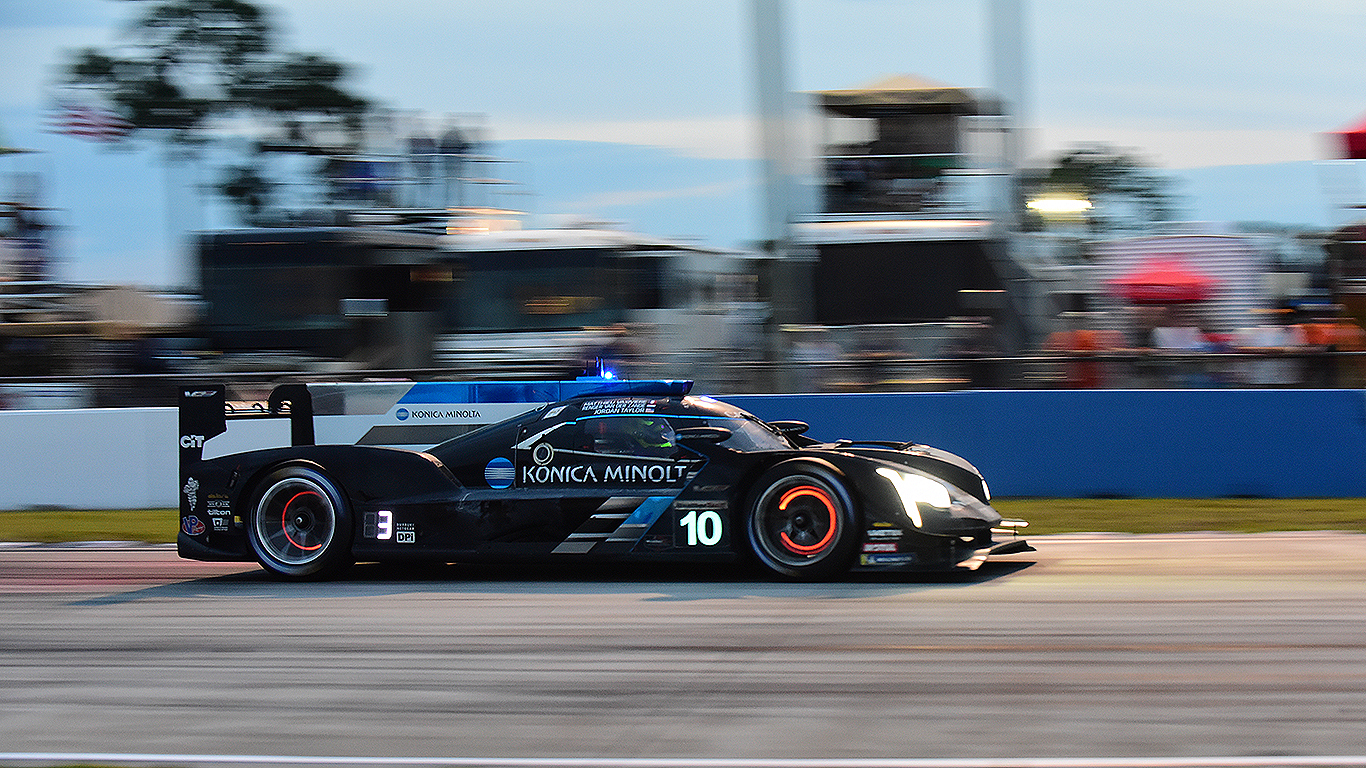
{"x": 1129, "y": 443}
{"x": 1146, "y": 443}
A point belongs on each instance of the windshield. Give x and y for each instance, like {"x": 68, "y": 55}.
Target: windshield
{"x": 749, "y": 435}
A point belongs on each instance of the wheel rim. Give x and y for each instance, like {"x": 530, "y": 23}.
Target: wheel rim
{"x": 295, "y": 521}
{"x": 798, "y": 521}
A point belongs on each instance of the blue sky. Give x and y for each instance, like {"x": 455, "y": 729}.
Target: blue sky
{"x": 642, "y": 112}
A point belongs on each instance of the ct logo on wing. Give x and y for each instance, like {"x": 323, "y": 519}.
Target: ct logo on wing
{"x": 542, "y": 454}
{"x": 499, "y": 473}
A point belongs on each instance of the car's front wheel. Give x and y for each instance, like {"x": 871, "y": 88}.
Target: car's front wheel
{"x": 802, "y": 523}
{"x": 300, "y": 527}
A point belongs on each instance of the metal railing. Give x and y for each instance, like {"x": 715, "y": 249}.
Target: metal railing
{"x": 731, "y": 374}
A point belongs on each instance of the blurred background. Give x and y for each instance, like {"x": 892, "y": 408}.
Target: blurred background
{"x": 810, "y": 196}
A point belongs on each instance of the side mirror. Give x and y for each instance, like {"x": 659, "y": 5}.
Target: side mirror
{"x": 790, "y": 428}
{"x": 702, "y": 436}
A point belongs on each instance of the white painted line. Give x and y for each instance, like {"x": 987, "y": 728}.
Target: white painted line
{"x": 1256, "y": 761}
{"x": 1127, "y": 538}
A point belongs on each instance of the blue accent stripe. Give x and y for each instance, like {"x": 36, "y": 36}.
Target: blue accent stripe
{"x": 434, "y": 392}
{"x": 649, "y": 511}
{"x": 437, "y": 392}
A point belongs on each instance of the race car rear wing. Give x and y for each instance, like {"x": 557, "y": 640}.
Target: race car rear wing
{"x": 204, "y": 413}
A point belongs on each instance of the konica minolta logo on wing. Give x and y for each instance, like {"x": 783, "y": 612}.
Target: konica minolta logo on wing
{"x": 441, "y": 413}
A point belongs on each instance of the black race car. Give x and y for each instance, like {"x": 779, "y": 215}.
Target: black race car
{"x": 608, "y": 470}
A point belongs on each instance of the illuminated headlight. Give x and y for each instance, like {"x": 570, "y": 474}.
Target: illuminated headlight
{"x": 986, "y": 492}
{"x": 915, "y": 490}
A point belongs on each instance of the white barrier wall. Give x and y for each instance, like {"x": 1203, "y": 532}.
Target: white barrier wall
{"x": 104, "y": 458}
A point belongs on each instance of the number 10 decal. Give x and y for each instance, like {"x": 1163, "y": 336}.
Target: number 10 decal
{"x": 704, "y": 529}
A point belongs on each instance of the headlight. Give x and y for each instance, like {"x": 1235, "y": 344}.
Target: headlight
{"x": 986, "y": 492}
{"x": 915, "y": 490}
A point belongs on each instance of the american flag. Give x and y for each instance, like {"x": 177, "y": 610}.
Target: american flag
{"x": 89, "y": 123}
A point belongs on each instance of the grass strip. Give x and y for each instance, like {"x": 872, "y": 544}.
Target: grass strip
{"x": 156, "y": 526}
{"x": 1044, "y": 515}
{"x": 1182, "y": 515}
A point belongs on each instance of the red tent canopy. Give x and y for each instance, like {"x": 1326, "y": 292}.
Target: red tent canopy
{"x": 1354, "y": 141}
{"x": 1163, "y": 281}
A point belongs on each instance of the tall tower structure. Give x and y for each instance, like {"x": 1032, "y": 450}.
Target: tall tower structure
{"x": 775, "y": 115}
{"x": 1009, "y": 78}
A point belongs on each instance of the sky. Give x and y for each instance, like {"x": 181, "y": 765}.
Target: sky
{"x": 642, "y": 112}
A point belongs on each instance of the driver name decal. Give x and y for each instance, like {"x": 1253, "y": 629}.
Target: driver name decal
{"x": 620, "y": 405}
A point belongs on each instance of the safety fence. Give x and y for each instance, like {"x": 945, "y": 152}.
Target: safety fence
{"x": 734, "y": 372}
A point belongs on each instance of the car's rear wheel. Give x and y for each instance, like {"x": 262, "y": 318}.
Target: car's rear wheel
{"x": 300, "y": 527}
{"x": 802, "y": 523}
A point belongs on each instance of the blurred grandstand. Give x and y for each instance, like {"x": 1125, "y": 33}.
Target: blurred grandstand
{"x": 409, "y": 263}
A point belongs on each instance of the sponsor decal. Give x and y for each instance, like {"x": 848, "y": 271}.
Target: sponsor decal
{"x": 220, "y": 523}
{"x": 876, "y": 559}
{"x": 191, "y": 441}
{"x": 499, "y": 473}
{"x": 883, "y": 525}
{"x": 655, "y": 474}
{"x": 542, "y": 454}
{"x": 644, "y": 473}
{"x": 880, "y": 546}
{"x": 885, "y": 533}
{"x": 405, "y": 533}
{"x": 553, "y": 412}
{"x": 700, "y": 506}
{"x": 201, "y": 393}
{"x": 191, "y": 491}
{"x": 563, "y": 474}
{"x": 192, "y": 525}
{"x": 458, "y": 414}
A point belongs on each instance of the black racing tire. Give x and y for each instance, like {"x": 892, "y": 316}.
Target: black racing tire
{"x": 802, "y": 523}
{"x": 300, "y": 526}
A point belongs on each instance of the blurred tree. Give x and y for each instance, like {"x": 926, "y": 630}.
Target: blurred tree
{"x": 197, "y": 72}
{"x": 1125, "y": 193}
{"x": 251, "y": 192}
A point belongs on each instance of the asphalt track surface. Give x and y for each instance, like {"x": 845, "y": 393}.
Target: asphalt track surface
{"x": 1160, "y": 650}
